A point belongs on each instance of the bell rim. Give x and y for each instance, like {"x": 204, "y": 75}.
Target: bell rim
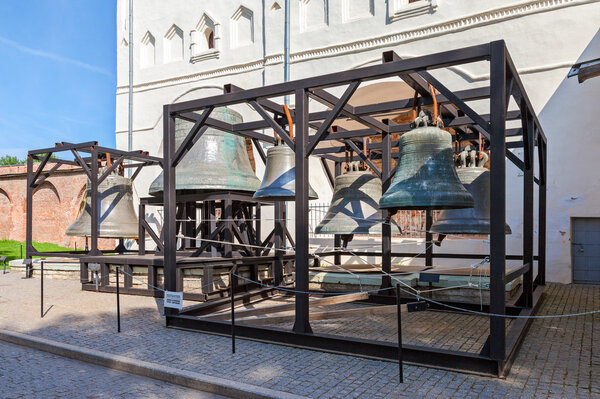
{"x": 184, "y": 191}
{"x": 423, "y": 207}
{"x": 280, "y": 197}
{"x": 452, "y": 227}
{"x": 376, "y": 226}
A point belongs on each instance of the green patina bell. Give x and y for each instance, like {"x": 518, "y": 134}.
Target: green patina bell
{"x": 354, "y": 206}
{"x": 117, "y": 218}
{"x": 476, "y": 180}
{"x": 425, "y": 177}
{"x": 279, "y": 181}
{"x": 218, "y": 161}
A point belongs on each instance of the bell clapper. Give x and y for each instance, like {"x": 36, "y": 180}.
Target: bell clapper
{"x": 439, "y": 240}
{"x": 346, "y": 238}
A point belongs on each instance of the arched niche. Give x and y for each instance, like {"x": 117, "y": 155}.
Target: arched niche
{"x": 48, "y": 217}
{"x": 173, "y": 44}
{"x": 6, "y": 222}
{"x": 147, "y": 51}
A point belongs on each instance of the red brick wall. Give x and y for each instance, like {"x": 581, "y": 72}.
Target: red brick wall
{"x": 55, "y": 206}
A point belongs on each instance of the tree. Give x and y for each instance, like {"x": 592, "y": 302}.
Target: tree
{"x": 10, "y": 160}
{"x": 7, "y": 160}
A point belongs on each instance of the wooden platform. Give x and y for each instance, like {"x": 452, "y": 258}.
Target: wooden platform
{"x": 364, "y": 268}
{"x": 213, "y": 269}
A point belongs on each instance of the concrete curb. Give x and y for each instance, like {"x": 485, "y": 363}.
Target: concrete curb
{"x": 189, "y": 379}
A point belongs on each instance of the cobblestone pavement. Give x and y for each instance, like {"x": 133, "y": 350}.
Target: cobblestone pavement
{"x": 443, "y": 330}
{"x": 559, "y": 357}
{"x": 28, "y": 373}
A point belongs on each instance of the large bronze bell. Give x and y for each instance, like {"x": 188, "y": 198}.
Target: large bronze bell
{"x": 279, "y": 181}
{"x": 476, "y": 180}
{"x": 354, "y": 206}
{"x": 425, "y": 176}
{"x": 117, "y": 218}
{"x": 217, "y": 162}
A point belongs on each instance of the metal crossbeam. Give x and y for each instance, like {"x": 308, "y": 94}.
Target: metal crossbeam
{"x": 192, "y": 137}
{"x": 333, "y": 114}
{"x": 274, "y": 125}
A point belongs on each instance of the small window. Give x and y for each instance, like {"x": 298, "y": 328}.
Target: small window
{"x": 210, "y": 38}
{"x": 205, "y": 41}
{"x": 401, "y": 9}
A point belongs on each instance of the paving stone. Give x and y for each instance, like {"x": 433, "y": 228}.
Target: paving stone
{"x": 43, "y": 375}
{"x": 558, "y": 356}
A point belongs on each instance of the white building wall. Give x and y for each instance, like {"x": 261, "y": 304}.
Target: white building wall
{"x": 544, "y": 37}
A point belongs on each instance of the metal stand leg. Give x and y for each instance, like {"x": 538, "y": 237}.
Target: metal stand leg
{"x": 232, "y": 285}
{"x": 42, "y": 289}
{"x": 118, "y": 304}
{"x": 400, "y": 356}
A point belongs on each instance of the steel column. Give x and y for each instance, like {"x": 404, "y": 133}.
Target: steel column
{"x": 543, "y": 161}
{"x": 278, "y": 242}
{"x": 170, "y": 205}
{"x": 528, "y": 131}
{"x": 301, "y": 323}
{"x": 141, "y": 230}
{"x": 386, "y": 228}
{"x": 94, "y": 197}
{"x": 29, "y": 222}
{"x": 497, "y": 198}
{"x": 337, "y": 239}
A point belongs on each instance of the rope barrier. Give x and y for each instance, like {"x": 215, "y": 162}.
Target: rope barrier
{"x": 431, "y": 301}
{"x": 416, "y": 295}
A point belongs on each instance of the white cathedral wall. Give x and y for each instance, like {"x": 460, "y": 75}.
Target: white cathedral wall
{"x": 543, "y": 37}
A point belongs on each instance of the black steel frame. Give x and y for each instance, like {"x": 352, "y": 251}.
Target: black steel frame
{"x": 497, "y": 355}
{"x": 89, "y": 165}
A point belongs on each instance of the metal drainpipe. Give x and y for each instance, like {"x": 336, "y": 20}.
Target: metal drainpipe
{"x": 286, "y": 49}
{"x": 130, "y": 110}
{"x": 286, "y": 69}
{"x": 130, "y": 117}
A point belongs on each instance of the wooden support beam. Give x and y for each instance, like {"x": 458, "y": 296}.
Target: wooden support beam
{"x": 332, "y": 300}
{"x": 287, "y": 317}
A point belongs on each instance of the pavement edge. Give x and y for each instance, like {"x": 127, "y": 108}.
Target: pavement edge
{"x": 189, "y": 379}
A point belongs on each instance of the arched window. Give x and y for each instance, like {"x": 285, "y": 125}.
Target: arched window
{"x": 205, "y": 39}
{"x": 400, "y": 9}
{"x": 210, "y": 38}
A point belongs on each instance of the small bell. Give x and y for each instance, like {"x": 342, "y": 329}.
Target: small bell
{"x": 354, "y": 206}
{"x": 217, "y": 162}
{"x": 476, "y": 180}
{"x": 279, "y": 181}
{"x": 425, "y": 177}
{"x": 117, "y": 218}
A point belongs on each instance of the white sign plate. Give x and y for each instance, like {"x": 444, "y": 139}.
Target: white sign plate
{"x": 173, "y": 300}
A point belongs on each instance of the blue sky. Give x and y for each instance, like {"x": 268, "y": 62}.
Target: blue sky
{"x": 57, "y": 73}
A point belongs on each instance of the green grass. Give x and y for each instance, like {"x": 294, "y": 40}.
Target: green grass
{"x": 12, "y": 249}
